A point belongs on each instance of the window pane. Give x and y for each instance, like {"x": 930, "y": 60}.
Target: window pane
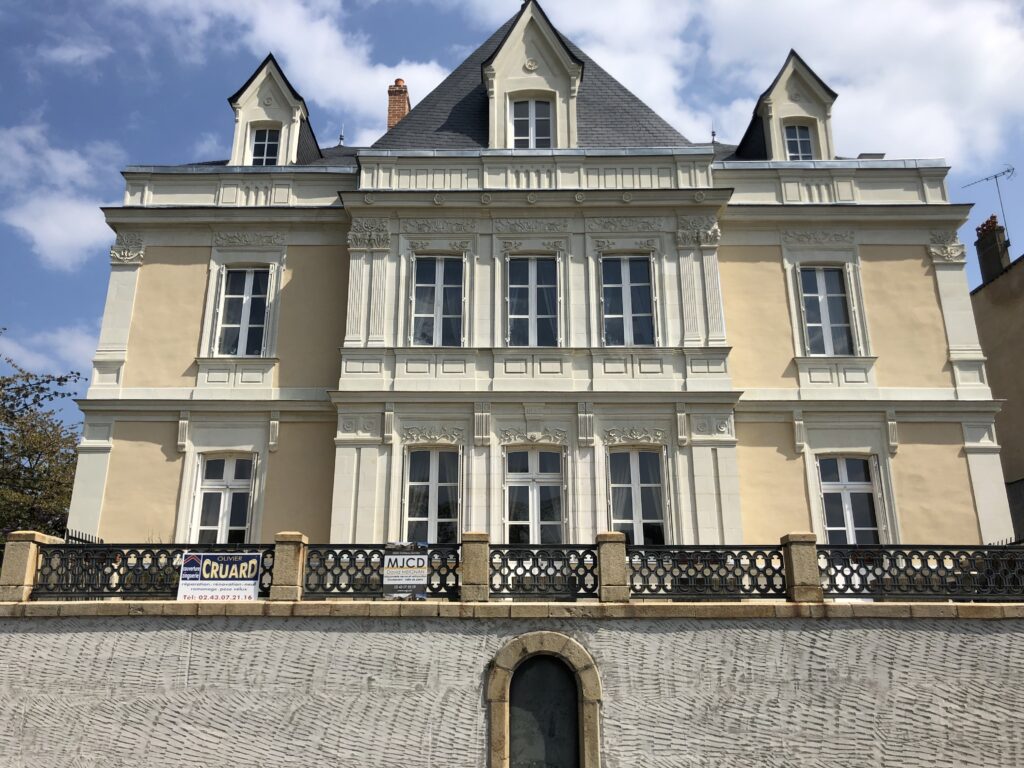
{"x": 650, "y": 467}
{"x": 519, "y": 534}
{"x": 640, "y": 299}
{"x": 260, "y": 279}
{"x": 547, "y": 301}
{"x": 447, "y": 533}
{"x": 547, "y": 332}
{"x": 834, "y": 282}
{"x": 816, "y": 340}
{"x": 453, "y": 272}
{"x": 639, "y": 271}
{"x": 424, "y": 301}
{"x": 518, "y": 503}
{"x": 257, "y": 310}
{"x": 451, "y": 332}
{"x": 229, "y": 341}
{"x": 834, "y": 517}
{"x": 239, "y": 509}
{"x": 542, "y": 109}
{"x": 863, "y": 510}
{"x": 423, "y": 330}
{"x": 613, "y": 301}
{"x": 519, "y": 332}
{"x": 626, "y": 528}
{"x": 857, "y": 471}
{"x": 518, "y": 271}
{"x": 866, "y": 536}
{"x": 808, "y": 281}
{"x": 619, "y": 468}
{"x": 447, "y": 502}
{"x": 542, "y": 143}
{"x": 521, "y": 131}
{"x": 551, "y": 534}
{"x": 419, "y": 466}
{"x": 521, "y": 109}
{"x": 546, "y": 274}
{"x": 829, "y": 469}
{"x": 614, "y": 335}
{"x": 232, "y": 310}
{"x": 812, "y": 309}
{"x": 643, "y": 330}
{"x": 622, "y": 503}
{"x": 447, "y": 467}
{"x": 214, "y": 469}
{"x": 419, "y": 501}
{"x": 837, "y": 313}
{"x": 842, "y": 341}
{"x": 451, "y": 301}
{"x": 650, "y": 503}
{"x": 243, "y": 469}
{"x": 611, "y": 271}
{"x": 254, "y": 343}
{"x": 518, "y": 301}
{"x": 208, "y": 537}
{"x": 235, "y": 282}
{"x": 425, "y": 271}
{"x": 518, "y": 461}
{"x": 654, "y": 534}
{"x": 550, "y": 462}
{"x": 837, "y": 537}
{"x": 210, "y": 513}
{"x": 550, "y": 503}
{"x": 417, "y": 531}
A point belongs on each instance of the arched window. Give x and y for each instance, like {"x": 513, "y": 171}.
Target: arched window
{"x": 543, "y": 715}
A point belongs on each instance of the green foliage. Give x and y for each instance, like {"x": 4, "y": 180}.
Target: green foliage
{"x": 37, "y": 451}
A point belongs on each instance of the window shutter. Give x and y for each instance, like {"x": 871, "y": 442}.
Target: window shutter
{"x": 561, "y": 313}
{"x": 600, "y": 299}
{"x": 853, "y": 306}
{"x": 885, "y": 536}
{"x": 460, "y": 516}
{"x": 801, "y": 312}
{"x": 465, "y": 316}
{"x": 252, "y": 495}
{"x": 412, "y": 298}
{"x": 654, "y": 304}
{"x": 193, "y": 507}
{"x": 269, "y": 327}
{"x": 214, "y": 347}
{"x": 508, "y": 324}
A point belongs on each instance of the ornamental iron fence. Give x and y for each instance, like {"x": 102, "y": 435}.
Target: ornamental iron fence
{"x": 357, "y": 570}
{"x": 563, "y": 572}
{"x": 922, "y": 572}
{"x": 706, "y": 573}
{"x": 95, "y": 571}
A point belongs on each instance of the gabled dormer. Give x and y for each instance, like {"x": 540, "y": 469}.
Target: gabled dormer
{"x": 532, "y": 81}
{"x": 271, "y": 121}
{"x": 792, "y": 118}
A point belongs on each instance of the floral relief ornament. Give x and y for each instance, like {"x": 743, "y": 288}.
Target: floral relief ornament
{"x": 946, "y": 247}
{"x": 545, "y": 435}
{"x": 698, "y": 230}
{"x": 127, "y": 248}
{"x": 634, "y": 435}
{"x": 441, "y": 433}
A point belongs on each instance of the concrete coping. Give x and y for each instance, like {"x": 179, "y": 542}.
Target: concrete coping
{"x": 34, "y": 536}
{"x": 763, "y": 609}
{"x": 476, "y": 538}
{"x": 799, "y": 538}
{"x": 611, "y": 536}
{"x": 291, "y": 536}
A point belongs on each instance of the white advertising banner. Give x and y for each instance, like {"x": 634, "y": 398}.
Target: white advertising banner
{"x": 219, "y": 576}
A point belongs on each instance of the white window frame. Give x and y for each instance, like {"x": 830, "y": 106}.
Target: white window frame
{"x": 223, "y": 259}
{"x": 845, "y": 487}
{"x": 636, "y": 486}
{"x": 534, "y": 479}
{"x": 227, "y": 486}
{"x": 254, "y": 131}
{"x": 438, "y": 314}
{"x": 797, "y": 127}
{"x": 627, "y": 301}
{"x": 245, "y": 323}
{"x": 822, "y": 295}
{"x": 532, "y": 136}
{"x": 432, "y": 485}
{"x": 532, "y": 286}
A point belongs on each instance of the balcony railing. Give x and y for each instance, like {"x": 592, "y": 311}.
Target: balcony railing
{"x": 357, "y": 571}
{"x": 92, "y": 571}
{"x": 706, "y": 573}
{"x": 923, "y": 572}
{"x": 561, "y": 572}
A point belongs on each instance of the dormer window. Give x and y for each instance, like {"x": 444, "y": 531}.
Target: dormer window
{"x": 798, "y": 143}
{"x": 531, "y": 124}
{"x": 265, "y": 143}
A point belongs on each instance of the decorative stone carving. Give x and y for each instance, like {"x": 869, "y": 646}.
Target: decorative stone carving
{"x": 544, "y": 435}
{"x": 645, "y": 245}
{"x": 585, "y": 423}
{"x": 603, "y": 245}
{"x": 420, "y": 245}
{"x": 627, "y": 197}
{"x": 625, "y": 224}
{"x": 486, "y": 198}
{"x": 481, "y": 424}
{"x": 183, "y": 419}
{"x": 892, "y": 432}
{"x": 438, "y": 199}
{"x": 818, "y": 236}
{"x": 127, "y": 248}
{"x": 799, "y": 432}
{"x": 682, "y": 426}
{"x": 531, "y": 198}
{"x": 438, "y": 226}
{"x": 511, "y": 245}
{"x": 530, "y": 225}
{"x": 247, "y": 238}
{"x": 388, "y": 427}
{"x": 698, "y": 230}
{"x": 579, "y": 197}
{"x": 436, "y": 433}
{"x": 711, "y": 426}
{"x": 619, "y": 435}
{"x": 553, "y": 245}
{"x": 273, "y": 431}
{"x": 946, "y": 247}
{"x": 369, "y": 234}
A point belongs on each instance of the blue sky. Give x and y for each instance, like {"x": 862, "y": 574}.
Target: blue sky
{"x": 91, "y": 87}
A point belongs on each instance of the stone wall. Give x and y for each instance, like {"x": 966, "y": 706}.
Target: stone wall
{"x": 409, "y": 692}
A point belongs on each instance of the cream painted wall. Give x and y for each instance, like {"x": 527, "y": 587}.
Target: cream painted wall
{"x": 1000, "y": 316}
{"x": 933, "y": 486}
{"x": 773, "y": 489}
{"x": 757, "y": 318}
{"x": 168, "y": 317}
{"x": 311, "y": 323}
{"x": 904, "y": 317}
{"x": 300, "y": 481}
{"x": 141, "y": 497}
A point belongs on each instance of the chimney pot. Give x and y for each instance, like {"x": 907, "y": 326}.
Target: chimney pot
{"x": 993, "y": 250}
{"x": 398, "y": 102}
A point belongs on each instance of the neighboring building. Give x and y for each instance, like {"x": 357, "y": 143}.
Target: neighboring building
{"x": 534, "y": 309}
{"x": 999, "y": 311}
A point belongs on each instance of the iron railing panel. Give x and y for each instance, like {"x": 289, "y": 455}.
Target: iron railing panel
{"x": 561, "y": 572}
{"x": 706, "y": 573}
{"x": 93, "y": 571}
{"x": 357, "y": 571}
{"x": 922, "y": 572}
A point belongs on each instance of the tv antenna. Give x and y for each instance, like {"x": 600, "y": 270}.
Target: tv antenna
{"x": 1008, "y": 172}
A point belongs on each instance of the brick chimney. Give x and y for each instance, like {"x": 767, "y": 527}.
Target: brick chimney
{"x": 398, "y": 102}
{"x": 993, "y": 250}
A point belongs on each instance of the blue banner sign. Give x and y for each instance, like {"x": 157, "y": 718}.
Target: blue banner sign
{"x": 219, "y": 576}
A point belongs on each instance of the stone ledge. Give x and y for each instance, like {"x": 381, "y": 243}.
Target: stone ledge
{"x": 650, "y": 609}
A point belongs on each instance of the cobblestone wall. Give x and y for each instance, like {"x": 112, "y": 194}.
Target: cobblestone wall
{"x": 409, "y": 692}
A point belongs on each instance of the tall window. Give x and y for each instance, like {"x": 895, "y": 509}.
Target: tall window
{"x": 826, "y": 311}
{"x": 848, "y": 494}
{"x": 532, "y": 302}
{"x": 225, "y": 496}
{"x": 534, "y": 488}
{"x": 637, "y": 508}
{"x": 243, "y": 312}
{"x": 265, "y": 142}
{"x": 628, "y": 308}
{"x": 437, "y": 302}
{"x": 433, "y": 496}
{"x": 798, "y": 142}
{"x": 531, "y": 124}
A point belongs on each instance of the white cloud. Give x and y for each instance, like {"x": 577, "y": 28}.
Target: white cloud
{"x": 79, "y": 53}
{"x": 63, "y": 349}
{"x": 210, "y": 147}
{"x": 63, "y": 230}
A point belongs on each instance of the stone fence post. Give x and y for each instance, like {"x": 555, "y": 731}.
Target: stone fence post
{"x": 611, "y": 567}
{"x": 475, "y": 568}
{"x": 21, "y": 559}
{"x": 803, "y": 585}
{"x": 289, "y": 565}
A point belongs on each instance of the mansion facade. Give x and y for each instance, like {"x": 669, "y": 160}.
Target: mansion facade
{"x": 534, "y": 309}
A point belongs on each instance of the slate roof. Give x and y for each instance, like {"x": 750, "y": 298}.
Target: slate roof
{"x": 454, "y": 115}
